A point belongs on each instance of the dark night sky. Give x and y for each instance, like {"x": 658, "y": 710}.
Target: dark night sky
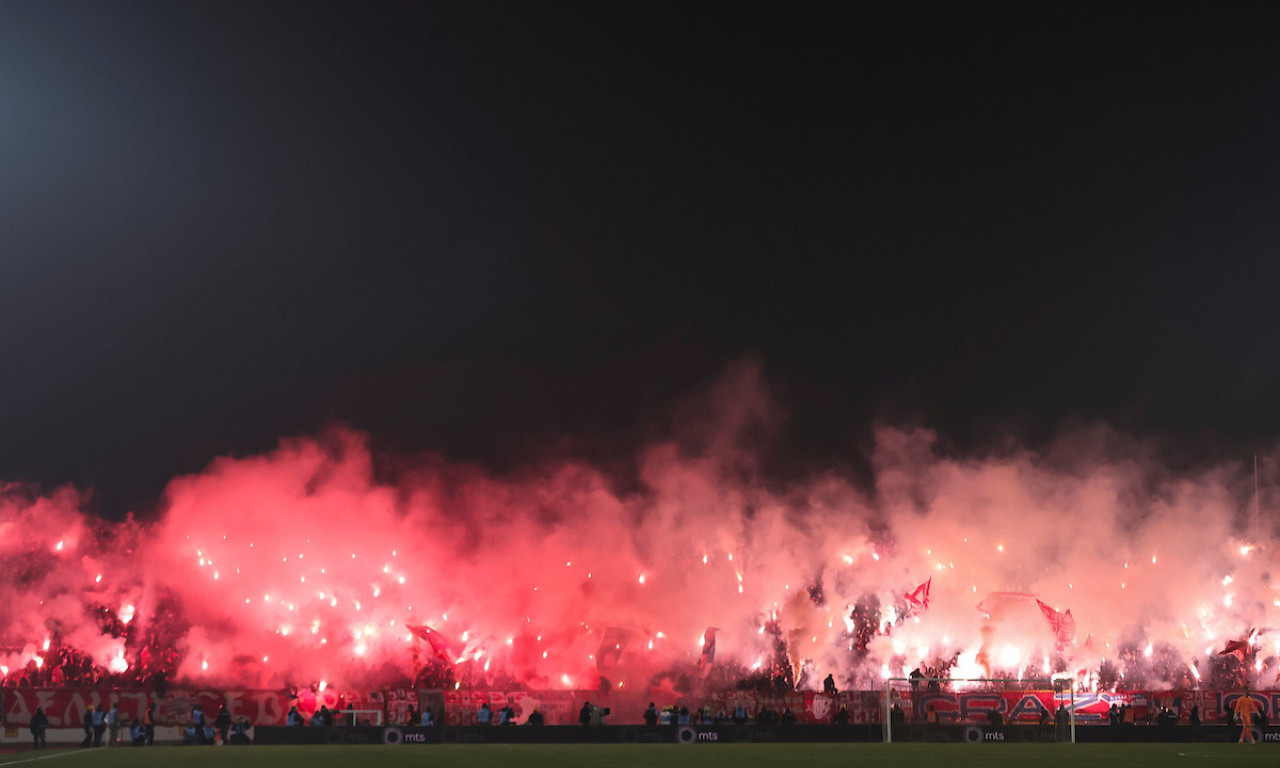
{"x": 489, "y": 229}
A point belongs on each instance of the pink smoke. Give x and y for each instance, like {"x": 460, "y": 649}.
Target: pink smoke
{"x": 305, "y": 564}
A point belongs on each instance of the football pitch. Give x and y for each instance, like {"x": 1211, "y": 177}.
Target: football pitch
{"x": 663, "y": 756}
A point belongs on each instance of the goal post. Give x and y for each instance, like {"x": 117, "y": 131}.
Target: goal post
{"x": 979, "y": 709}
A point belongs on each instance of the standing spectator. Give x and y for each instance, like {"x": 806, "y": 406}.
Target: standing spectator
{"x": 841, "y": 716}
{"x": 412, "y": 717}
{"x": 294, "y": 717}
{"x": 427, "y": 721}
{"x": 113, "y": 725}
{"x": 829, "y": 685}
{"x": 223, "y": 722}
{"x": 86, "y": 721}
{"x": 651, "y": 715}
{"x": 149, "y": 725}
{"x": 99, "y": 726}
{"x": 39, "y": 722}
{"x": 197, "y": 716}
{"x": 584, "y": 714}
{"x": 485, "y": 715}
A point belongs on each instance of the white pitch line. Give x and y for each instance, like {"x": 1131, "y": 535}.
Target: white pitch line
{"x": 47, "y": 757}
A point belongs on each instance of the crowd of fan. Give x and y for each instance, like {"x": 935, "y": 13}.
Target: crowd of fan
{"x": 64, "y": 666}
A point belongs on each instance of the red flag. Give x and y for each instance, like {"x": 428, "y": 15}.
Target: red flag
{"x": 1237, "y": 648}
{"x": 1062, "y": 624}
{"x": 439, "y": 646}
{"x": 919, "y": 599}
{"x": 708, "y": 647}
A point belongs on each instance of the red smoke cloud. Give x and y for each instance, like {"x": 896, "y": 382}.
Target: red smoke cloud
{"x": 304, "y": 565}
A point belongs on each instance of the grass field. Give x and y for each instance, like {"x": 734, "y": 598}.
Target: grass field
{"x": 666, "y": 756}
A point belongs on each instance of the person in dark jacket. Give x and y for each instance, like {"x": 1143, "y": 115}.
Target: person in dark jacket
{"x": 651, "y": 715}
{"x": 222, "y": 722}
{"x": 39, "y": 722}
{"x": 87, "y": 723}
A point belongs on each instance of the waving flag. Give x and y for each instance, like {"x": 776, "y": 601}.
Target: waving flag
{"x": 708, "y": 647}
{"x": 919, "y": 599}
{"x": 1062, "y": 624}
{"x": 1237, "y": 648}
{"x": 439, "y": 646}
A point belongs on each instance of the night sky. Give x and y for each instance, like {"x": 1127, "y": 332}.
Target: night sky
{"x": 504, "y": 232}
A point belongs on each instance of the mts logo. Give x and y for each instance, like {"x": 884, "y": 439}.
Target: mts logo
{"x": 419, "y": 738}
{"x": 993, "y": 736}
{"x": 708, "y": 736}
{"x": 1271, "y": 737}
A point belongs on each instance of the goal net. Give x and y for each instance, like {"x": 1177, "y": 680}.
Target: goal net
{"x": 358, "y": 717}
{"x": 979, "y": 710}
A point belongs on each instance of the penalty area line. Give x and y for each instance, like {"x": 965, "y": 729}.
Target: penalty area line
{"x": 46, "y": 757}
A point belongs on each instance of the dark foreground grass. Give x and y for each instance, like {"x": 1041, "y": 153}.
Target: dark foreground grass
{"x": 667, "y": 756}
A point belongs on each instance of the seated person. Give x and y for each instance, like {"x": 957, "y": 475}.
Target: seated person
{"x": 189, "y": 734}
{"x": 207, "y": 734}
{"x": 240, "y": 732}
